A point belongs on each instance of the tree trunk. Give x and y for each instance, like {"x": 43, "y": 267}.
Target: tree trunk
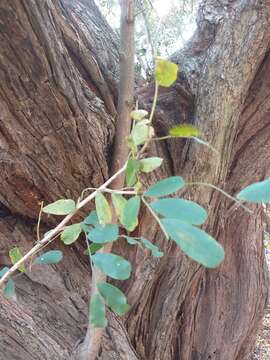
{"x": 58, "y": 80}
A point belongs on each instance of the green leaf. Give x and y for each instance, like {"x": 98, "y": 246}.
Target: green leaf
{"x": 98, "y": 312}
{"x": 71, "y": 233}
{"x": 91, "y": 219}
{"x": 150, "y": 164}
{"x": 112, "y": 265}
{"x": 3, "y": 271}
{"x": 103, "y": 209}
{"x": 132, "y": 240}
{"x": 132, "y": 146}
{"x": 181, "y": 209}
{"x": 133, "y": 166}
{"x": 103, "y": 234}
{"x": 166, "y": 186}
{"x": 50, "y": 257}
{"x": 258, "y": 192}
{"x": 119, "y": 203}
{"x": 93, "y": 248}
{"x": 85, "y": 228}
{"x": 16, "y": 255}
{"x": 9, "y": 290}
{"x": 138, "y": 114}
{"x": 184, "y": 131}
{"x": 153, "y": 248}
{"x": 129, "y": 218}
{"x": 205, "y": 143}
{"x": 195, "y": 242}
{"x": 60, "y": 207}
{"x": 139, "y": 133}
{"x": 114, "y": 298}
{"x": 165, "y": 72}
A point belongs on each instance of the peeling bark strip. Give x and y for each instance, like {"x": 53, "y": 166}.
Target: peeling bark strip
{"x": 56, "y": 132}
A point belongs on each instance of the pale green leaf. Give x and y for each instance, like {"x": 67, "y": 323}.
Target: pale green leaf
{"x": 71, "y": 233}
{"x": 153, "y": 248}
{"x": 112, "y": 265}
{"x": 138, "y": 114}
{"x": 114, "y": 298}
{"x": 16, "y": 255}
{"x": 150, "y": 164}
{"x": 181, "y": 209}
{"x": 103, "y": 234}
{"x": 129, "y": 218}
{"x": 133, "y": 167}
{"x": 50, "y": 257}
{"x": 97, "y": 312}
{"x": 165, "y": 72}
{"x": 166, "y": 186}
{"x": 9, "y": 290}
{"x": 258, "y": 192}
{"x": 132, "y": 146}
{"x": 3, "y": 271}
{"x": 60, "y": 207}
{"x": 103, "y": 209}
{"x": 139, "y": 133}
{"x": 196, "y": 243}
{"x": 132, "y": 240}
{"x": 119, "y": 203}
{"x": 91, "y": 219}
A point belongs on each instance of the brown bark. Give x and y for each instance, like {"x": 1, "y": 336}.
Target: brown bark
{"x": 58, "y": 62}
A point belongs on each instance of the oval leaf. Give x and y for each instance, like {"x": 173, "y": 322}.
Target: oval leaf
{"x": 119, "y": 203}
{"x": 92, "y": 218}
{"x": 3, "y": 271}
{"x": 50, "y": 257}
{"x": 184, "y": 131}
{"x": 165, "y": 187}
{"x": 194, "y": 242}
{"x": 153, "y": 248}
{"x": 165, "y": 72}
{"x": 139, "y": 133}
{"x": 129, "y": 218}
{"x": 103, "y": 209}
{"x": 16, "y": 255}
{"x": 112, "y": 265}
{"x": 9, "y": 290}
{"x": 103, "y": 234}
{"x": 138, "y": 114}
{"x": 132, "y": 240}
{"x": 93, "y": 248}
{"x": 71, "y": 233}
{"x": 114, "y": 298}
{"x": 97, "y": 312}
{"x": 60, "y": 207}
{"x": 181, "y": 209}
{"x": 150, "y": 164}
{"x": 133, "y": 167}
{"x": 258, "y": 192}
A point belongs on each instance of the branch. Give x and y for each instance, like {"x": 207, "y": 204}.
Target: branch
{"x": 47, "y": 238}
{"x": 91, "y": 344}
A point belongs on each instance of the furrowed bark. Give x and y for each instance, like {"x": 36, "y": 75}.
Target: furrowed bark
{"x": 56, "y": 133}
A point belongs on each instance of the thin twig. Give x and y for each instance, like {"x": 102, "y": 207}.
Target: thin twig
{"x": 222, "y": 192}
{"x": 47, "y": 238}
{"x": 155, "y": 217}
